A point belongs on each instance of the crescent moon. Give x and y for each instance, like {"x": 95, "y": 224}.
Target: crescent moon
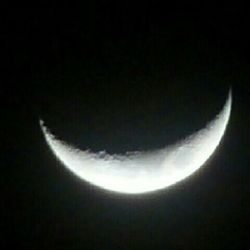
{"x": 140, "y": 172}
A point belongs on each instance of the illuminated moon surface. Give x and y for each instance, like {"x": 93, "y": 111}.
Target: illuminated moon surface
{"x": 140, "y": 172}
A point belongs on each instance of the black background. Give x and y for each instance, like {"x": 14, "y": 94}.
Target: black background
{"x": 122, "y": 78}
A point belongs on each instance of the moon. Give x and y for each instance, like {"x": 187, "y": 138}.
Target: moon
{"x": 144, "y": 171}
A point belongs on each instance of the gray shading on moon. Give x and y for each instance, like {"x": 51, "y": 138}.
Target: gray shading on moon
{"x": 140, "y": 172}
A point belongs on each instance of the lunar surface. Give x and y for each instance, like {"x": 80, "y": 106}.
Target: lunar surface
{"x": 141, "y": 172}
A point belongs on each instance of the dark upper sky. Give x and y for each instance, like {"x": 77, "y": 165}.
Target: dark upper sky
{"x": 120, "y": 78}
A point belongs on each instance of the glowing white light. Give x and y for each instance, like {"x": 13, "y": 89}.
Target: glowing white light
{"x": 141, "y": 172}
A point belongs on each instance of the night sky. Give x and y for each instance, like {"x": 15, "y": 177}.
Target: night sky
{"x": 122, "y": 78}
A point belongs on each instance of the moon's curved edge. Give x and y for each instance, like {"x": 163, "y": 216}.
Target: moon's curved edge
{"x": 222, "y": 117}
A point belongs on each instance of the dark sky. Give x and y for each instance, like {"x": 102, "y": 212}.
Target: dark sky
{"x": 122, "y": 78}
